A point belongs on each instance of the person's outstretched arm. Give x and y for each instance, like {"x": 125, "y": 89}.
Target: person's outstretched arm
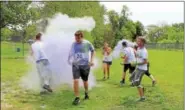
{"x": 91, "y": 48}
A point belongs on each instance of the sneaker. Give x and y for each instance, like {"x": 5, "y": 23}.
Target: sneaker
{"x": 122, "y": 83}
{"x": 153, "y": 83}
{"x": 76, "y": 101}
{"x": 108, "y": 77}
{"x": 47, "y": 87}
{"x": 141, "y": 99}
{"x": 86, "y": 96}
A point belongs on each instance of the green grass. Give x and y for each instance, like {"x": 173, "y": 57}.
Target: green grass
{"x": 166, "y": 66}
{"x": 8, "y": 50}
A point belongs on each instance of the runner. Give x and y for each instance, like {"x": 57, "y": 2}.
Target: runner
{"x": 81, "y": 65}
{"x": 147, "y": 72}
{"x": 141, "y": 66}
{"x": 128, "y": 57}
{"x": 107, "y": 60}
{"x": 42, "y": 64}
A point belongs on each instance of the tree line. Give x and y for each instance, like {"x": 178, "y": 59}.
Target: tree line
{"x": 119, "y": 26}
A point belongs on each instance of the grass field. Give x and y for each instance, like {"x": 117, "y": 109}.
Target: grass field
{"x": 166, "y": 66}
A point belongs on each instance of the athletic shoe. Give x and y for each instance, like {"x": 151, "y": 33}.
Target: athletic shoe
{"x": 108, "y": 77}
{"x": 47, "y": 87}
{"x": 76, "y": 101}
{"x": 122, "y": 83}
{"x": 141, "y": 99}
{"x": 153, "y": 83}
{"x": 86, "y": 96}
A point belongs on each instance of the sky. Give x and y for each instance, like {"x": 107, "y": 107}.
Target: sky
{"x": 151, "y": 12}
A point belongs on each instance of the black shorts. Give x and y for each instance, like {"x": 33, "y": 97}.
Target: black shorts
{"x": 108, "y": 62}
{"x": 128, "y": 66}
{"x": 81, "y": 71}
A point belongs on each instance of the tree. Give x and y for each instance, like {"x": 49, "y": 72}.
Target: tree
{"x": 16, "y": 13}
{"x": 6, "y": 33}
{"x": 166, "y": 33}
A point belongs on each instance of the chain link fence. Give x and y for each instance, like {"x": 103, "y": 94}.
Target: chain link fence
{"x": 166, "y": 46}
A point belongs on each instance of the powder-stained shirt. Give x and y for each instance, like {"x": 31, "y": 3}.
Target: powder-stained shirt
{"x": 38, "y": 50}
{"x": 129, "y": 52}
{"x": 141, "y": 55}
{"x": 80, "y": 52}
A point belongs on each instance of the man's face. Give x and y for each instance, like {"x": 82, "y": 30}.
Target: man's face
{"x": 139, "y": 43}
{"x": 78, "y": 38}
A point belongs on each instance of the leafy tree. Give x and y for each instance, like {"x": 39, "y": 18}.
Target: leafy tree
{"x": 16, "y": 13}
{"x": 6, "y": 33}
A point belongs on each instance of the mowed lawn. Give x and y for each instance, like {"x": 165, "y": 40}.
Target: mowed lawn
{"x": 166, "y": 67}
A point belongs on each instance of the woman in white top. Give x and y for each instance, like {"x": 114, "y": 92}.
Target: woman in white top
{"x": 107, "y": 60}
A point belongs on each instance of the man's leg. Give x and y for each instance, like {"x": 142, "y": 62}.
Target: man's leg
{"x": 151, "y": 77}
{"x": 76, "y": 76}
{"x": 41, "y": 79}
{"x": 124, "y": 73}
{"x": 137, "y": 82}
{"x": 132, "y": 69}
{"x": 76, "y": 87}
{"x": 46, "y": 75}
{"x": 84, "y": 72}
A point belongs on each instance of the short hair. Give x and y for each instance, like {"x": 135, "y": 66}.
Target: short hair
{"x": 77, "y": 33}
{"x": 142, "y": 39}
{"x": 124, "y": 44}
{"x": 38, "y": 36}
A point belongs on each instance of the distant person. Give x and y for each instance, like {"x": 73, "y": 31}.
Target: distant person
{"x": 42, "y": 64}
{"x": 141, "y": 67}
{"x": 148, "y": 68}
{"x": 128, "y": 57}
{"x": 81, "y": 65}
{"x": 107, "y": 60}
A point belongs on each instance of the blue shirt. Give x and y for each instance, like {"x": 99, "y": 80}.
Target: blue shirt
{"x": 80, "y": 52}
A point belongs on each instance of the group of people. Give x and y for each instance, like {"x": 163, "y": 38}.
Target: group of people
{"x": 135, "y": 59}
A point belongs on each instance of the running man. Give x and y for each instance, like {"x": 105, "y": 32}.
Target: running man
{"x": 128, "y": 58}
{"x": 42, "y": 64}
{"x": 147, "y": 72}
{"x": 107, "y": 60}
{"x": 81, "y": 65}
{"x": 141, "y": 66}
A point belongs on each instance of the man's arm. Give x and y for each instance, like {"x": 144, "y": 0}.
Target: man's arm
{"x": 91, "y": 48}
{"x": 70, "y": 54}
{"x": 145, "y": 61}
{"x": 92, "y": 56}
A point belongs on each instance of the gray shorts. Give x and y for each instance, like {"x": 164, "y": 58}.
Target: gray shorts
{"x": 81, "y": 71}
{"x": 136, "y": 77}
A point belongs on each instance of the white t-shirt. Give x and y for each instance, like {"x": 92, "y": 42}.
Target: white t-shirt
{"x": 107, "y": 57}
{"x": 129, "y": 52}
{"x": 38, "y": 50}
{"x": 141, "y": 55}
